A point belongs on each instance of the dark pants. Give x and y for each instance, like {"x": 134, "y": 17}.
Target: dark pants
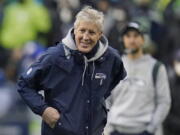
{"x": 118, "y": 133}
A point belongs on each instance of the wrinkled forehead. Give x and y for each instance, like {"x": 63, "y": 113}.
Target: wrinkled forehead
{"x": 86, "y": 24}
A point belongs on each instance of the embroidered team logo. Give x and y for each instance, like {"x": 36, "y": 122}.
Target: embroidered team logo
{"x": 101, "y": 77}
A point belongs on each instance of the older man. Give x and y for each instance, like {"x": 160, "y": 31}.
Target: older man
{"x": 76, "y": 76}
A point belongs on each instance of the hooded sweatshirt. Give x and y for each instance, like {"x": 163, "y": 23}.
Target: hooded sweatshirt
{"x": 138, "y": 105}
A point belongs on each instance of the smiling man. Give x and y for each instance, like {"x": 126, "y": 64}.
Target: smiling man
{"x": 86, "y": 36}
{"x": 76, "y": 76}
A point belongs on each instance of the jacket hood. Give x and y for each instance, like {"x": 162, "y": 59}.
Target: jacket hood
{"x": 69, "y": 42}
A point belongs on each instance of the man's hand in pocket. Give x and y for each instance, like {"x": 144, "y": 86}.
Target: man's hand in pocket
{"x": 51, "y": 116}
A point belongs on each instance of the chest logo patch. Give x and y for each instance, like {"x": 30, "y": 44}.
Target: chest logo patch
{"x": 101, "y": 77}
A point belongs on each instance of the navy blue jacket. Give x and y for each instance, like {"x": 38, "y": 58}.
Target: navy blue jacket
{"x": 77, "y": 93}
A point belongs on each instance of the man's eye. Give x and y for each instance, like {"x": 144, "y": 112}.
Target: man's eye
{"x": 128, "y": 36}
{"x": 91, "y": 32}
{"x": 136, "y": 35}
{"x": 82, "y": 30}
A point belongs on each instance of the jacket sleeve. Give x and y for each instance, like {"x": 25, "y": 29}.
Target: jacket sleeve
{"x": 118, "y": 74}
{"x": 162, "y": 100}
{"x": 29, "y": 84}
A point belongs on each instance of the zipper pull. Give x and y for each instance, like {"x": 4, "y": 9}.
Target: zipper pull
{"x": 101, "y": 81}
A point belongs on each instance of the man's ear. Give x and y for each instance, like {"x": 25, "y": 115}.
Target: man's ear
{"x": 74, "y": 31}
{"x": 100, "y": 34}
{"x": 143, "y": 38}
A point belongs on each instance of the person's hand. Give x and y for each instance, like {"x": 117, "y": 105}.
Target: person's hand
{"x": 50, "y": 116}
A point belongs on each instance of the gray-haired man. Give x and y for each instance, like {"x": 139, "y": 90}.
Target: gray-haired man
{"x": 77, "y": 76}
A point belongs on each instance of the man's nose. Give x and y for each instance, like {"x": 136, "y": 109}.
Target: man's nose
{"x": 86, "y": 36}
{"x": 131, "y": 39}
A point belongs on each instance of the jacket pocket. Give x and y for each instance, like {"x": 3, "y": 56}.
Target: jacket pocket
{"x": 64, "y": 126}
{"x": 100, "y": 120}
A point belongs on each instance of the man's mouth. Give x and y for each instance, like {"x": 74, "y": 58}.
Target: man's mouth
{"x": 84, "y": 45}
{"x": 132, "y": 44}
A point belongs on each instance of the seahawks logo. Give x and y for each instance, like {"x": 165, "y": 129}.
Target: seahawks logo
{"x": 101, "y": 77}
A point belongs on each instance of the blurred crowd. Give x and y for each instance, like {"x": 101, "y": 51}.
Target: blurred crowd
{"x": 28, "y": 27}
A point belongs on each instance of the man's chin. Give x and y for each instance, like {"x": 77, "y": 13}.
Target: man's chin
{"x": 84, "y": 50}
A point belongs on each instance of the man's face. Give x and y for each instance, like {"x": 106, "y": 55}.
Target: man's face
{"x": 86, "y": 36}
{"x": 133, "y": 40}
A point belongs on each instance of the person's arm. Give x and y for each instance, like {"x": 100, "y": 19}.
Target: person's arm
{"x": 118, "y": 74}
{"x": 29, "y": 84}
{"x": 162, "y": 100}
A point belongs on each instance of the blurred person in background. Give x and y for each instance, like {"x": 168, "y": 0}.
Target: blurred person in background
{"x": 1, "y": 10}
{"x": 115, "y": 18}
{"x": 23, "y": 21}
{"x": 55, "y": 32}
{"x": 76, "y": 76}
{"x": 66, "y": 14}
{"x": 106, "y": 8}
{"x": 139, "y": 103}
{"x": 172, "y": 123}
{"x": 171, "y": 40}
{"x": 120, "y": 16}
{"x": 5, "y": 93}
{"x": 14, "y": 118}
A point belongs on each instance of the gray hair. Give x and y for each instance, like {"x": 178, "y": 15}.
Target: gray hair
{"x": 91, "y": 15}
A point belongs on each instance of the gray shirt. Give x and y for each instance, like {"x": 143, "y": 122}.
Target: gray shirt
{"x": 136, "y": 104}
